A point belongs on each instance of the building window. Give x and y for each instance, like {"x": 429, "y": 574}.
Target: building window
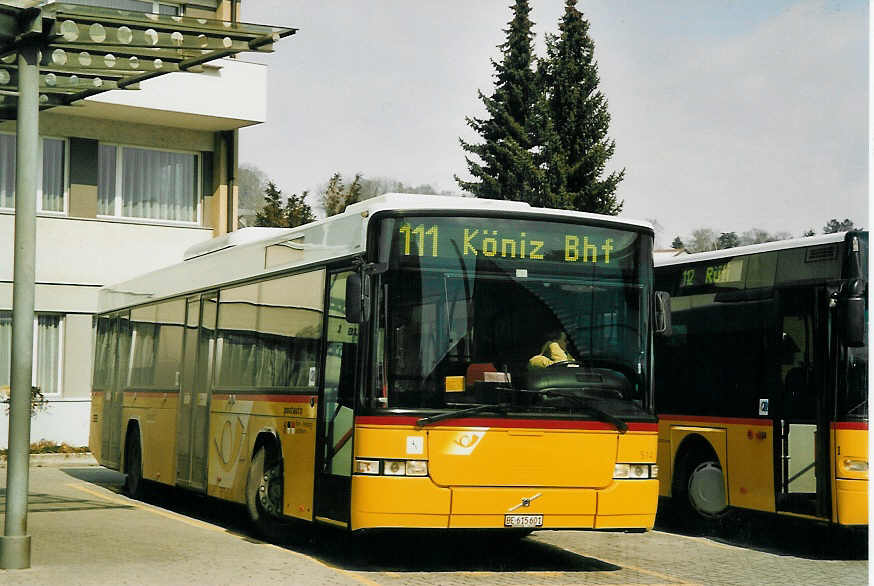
{"x": 47, "y": 364}
{"x": 153, "y": 6}
{"x": 51, "y": 187}
{"x": 147, "y": 183}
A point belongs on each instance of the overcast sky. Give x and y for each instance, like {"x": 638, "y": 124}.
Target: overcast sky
{"x": 727, "y": 114}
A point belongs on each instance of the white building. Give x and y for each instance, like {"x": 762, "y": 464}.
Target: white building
{"x": 129, "y": 181}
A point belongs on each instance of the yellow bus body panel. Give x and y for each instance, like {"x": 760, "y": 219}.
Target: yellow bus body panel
{"x": 850, "y": 487}
{"x": 677, "y": 433}
{"x": 388, "y": 441}
{"x": 522, "y": 457}
{"x": 745, "y": 452}
{"x": 234, "y": 428}
{"x": 385, "y": 501}
{"x": 750, "y": 467}
{"x": 488, "y": 474}
{"x": 156, "y": 415}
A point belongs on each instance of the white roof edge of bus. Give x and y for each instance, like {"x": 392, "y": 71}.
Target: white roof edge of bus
{"x": 238, "y": 256}
{"x": 236, "y": 238}
{"x": 409, "y": 201}
{"x": 752, "y": 249}
{"x": 395, "y": 201}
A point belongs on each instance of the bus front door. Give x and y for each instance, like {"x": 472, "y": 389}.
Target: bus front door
{"x": 801, "y": 465}
{"x": 336, "y": 409}
{"x": 194, "y": 393}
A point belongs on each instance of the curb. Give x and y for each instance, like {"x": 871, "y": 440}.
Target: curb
{"x": 57, "y": 460}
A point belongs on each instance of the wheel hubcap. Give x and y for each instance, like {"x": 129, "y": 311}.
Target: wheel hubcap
{"x": 707, "y": 489}
{"x": 270, "y": 491}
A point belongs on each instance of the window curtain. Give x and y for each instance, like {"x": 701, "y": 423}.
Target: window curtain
{"x": 106, "y": 179}
{"x": 159, "y": 185}
{"x": 7, "y": 171}
{"x": 145, "y": 341}
{"x": 5, "y": 347}
{"x": 52, "y": 175}
{"x": 104, "y": 353}
{"x": 48, "y": 353}
{"x": 52, "y": 187}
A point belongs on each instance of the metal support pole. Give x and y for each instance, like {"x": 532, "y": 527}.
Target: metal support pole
{"x": 15, "y": 543}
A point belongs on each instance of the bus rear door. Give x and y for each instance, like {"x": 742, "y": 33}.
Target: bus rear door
{"x": 193, "y": 416}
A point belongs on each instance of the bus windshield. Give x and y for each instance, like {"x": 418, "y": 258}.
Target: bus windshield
{"x": 468, "y": 308}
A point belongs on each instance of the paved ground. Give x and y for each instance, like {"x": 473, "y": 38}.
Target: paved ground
{"x": 85, "y": 532}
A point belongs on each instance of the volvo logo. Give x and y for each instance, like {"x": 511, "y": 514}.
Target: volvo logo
{"x": 526, "y": 502}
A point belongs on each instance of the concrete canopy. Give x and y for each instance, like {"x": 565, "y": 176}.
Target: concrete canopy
{"x": 85, "y": 50}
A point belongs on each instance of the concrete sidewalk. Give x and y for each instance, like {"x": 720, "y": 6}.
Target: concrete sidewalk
{"x": 84, "y": 531}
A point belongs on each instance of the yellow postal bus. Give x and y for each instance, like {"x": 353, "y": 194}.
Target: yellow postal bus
{"x": 762, "y": 390}
{"x": 372, "y": 370}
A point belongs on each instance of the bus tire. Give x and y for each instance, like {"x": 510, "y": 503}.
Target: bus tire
{"x": 699, "y": 493}
{"x": 133, "y": 465}
{"x": 264, "y": 494}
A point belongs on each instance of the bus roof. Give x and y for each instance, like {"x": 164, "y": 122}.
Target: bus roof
{"x": 751, "y": 249}
{"x": 257, "y": 252}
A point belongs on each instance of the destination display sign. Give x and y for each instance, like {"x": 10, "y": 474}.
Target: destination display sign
{"x": 530, "y": 242}
{"x": 723, "y": 272}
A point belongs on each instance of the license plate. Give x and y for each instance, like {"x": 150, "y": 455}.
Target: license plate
{"x": 523, "y": 520}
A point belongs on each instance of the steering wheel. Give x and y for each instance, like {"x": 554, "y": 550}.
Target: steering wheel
{"x": 563, "y": 363}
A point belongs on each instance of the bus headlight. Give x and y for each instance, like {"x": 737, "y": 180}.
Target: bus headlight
{"x": 367, "y": 466}
{"x": 417, "y": 468}
{"x": 635, "y": 471}
{"x": 855, "y": 465}
{"x": 392, "y": 467}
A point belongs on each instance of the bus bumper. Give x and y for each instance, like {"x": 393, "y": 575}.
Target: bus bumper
{"x": 852, "y": 500}
{"x": 380, "y": 502}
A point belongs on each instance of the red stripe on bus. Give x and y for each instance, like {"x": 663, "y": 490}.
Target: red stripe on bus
{"x": 850, "y": 425}
{"x": 709, "y": 419}
{"x": 502, "y": 423}
{"x": 268, "y": 398}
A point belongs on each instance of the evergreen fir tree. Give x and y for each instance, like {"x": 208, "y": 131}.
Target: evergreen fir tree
{"x": 332, "y": 197}
{"x": 578, "y": 111}
{"x": 336, "y": 197}
{"x": 297, "y": 211}
{"x": 508, "y": 165}
{"x": 271, "y": 214}
{"x": 727, "y": 240}
{"x": 677, "y": 244}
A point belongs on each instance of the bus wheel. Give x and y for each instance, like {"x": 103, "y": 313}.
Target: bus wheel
{"x": 133, "y": 467}
{"x": 706, "y": 489}
{"x": 264, "y": 494}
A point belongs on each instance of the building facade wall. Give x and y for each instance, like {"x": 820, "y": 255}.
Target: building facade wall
{"x": 81, "y": 248}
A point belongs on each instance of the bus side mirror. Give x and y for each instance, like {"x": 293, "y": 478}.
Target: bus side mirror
{"x": 853, "y": 323}
{"x": 663, "y": 313}
{"x": 354, "y": 304}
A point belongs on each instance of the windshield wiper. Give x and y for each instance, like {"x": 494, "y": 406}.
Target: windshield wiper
{"x": 584, "y": 404}
{"x": 499, "y": 408}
